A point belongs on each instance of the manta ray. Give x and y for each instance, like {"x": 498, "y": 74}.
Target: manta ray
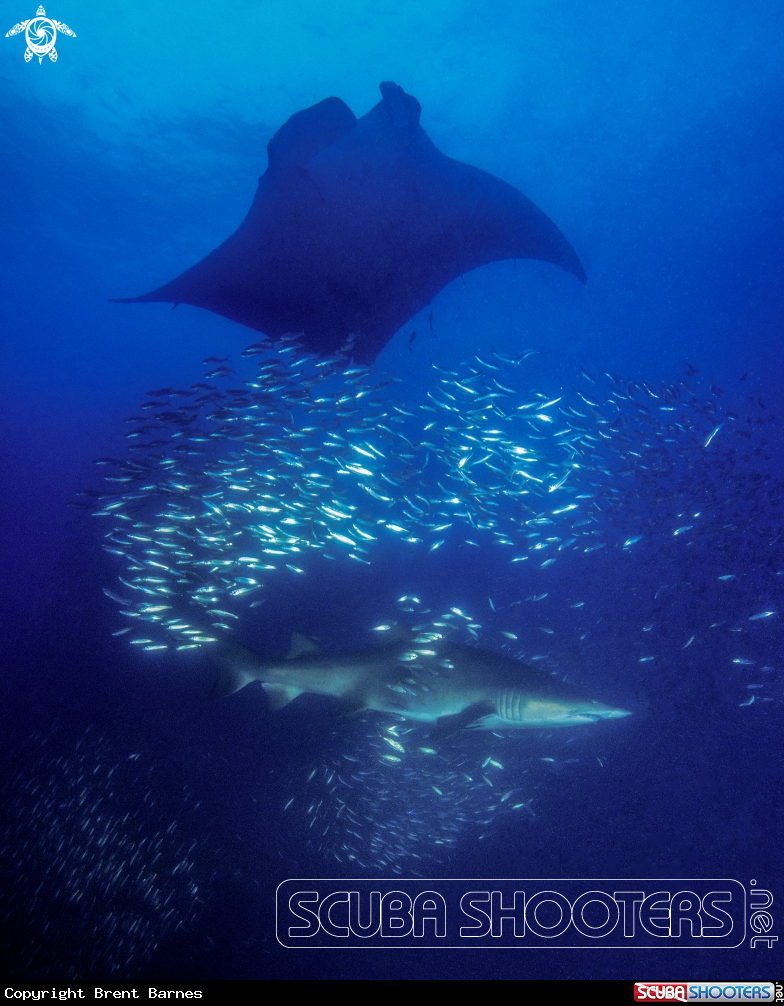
{"x": 355, "y": 227}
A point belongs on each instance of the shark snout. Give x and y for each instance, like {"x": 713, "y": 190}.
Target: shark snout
{"x": 598, "y": 711}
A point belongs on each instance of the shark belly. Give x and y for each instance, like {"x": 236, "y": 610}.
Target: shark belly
{"x": 424, "y": 702}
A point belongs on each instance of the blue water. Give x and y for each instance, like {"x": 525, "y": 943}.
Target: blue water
{"x": 652, "y": 135}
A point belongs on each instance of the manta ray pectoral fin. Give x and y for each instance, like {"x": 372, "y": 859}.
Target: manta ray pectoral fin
{"x": 301, "y": 644}
{"x": 210, "y": 283}
{"x": 495, "y": 221}
{"x": 237, "y": 666}
{"x": 447, "y": 726}
{"x": 279, "y": 696}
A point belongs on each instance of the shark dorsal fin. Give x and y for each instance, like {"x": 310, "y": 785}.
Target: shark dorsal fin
{"x": 279, "y": 696}
{"x": 300, "y": 645}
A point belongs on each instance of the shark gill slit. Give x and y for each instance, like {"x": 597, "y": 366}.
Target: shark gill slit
{"x": 509, "y": 705}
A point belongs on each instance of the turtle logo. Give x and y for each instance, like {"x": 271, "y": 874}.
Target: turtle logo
{"x": 40, "y": 34}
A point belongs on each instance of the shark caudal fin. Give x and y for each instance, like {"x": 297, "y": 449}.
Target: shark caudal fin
{"x": 237, "y": 666}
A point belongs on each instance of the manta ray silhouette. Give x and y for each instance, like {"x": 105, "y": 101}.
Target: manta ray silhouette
{"x": 356, "y": 225}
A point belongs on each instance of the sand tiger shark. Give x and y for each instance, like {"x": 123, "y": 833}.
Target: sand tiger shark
{"x": 444, "y": 684}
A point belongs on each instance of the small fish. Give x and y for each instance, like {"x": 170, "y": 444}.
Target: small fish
{"x": 712, "y": 435}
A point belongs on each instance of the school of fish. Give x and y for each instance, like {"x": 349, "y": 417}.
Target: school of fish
{"x": 229, "y": 488}
{"x": 233, "y": 483}
{"x": 89, "y": 861}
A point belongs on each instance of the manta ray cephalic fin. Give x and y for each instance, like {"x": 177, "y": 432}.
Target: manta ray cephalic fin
{"x": 309, "y": 132}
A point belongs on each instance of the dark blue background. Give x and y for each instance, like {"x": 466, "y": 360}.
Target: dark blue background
{"x": 652, "y": 135}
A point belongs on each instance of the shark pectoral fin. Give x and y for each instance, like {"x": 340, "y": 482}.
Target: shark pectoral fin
{"x": 446, "y": 726}
{"x": 237, "y": 666}
{"x": 346, "y": 707}
{"x": 279, "y": 696}
{"x": 301, "y": 644}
